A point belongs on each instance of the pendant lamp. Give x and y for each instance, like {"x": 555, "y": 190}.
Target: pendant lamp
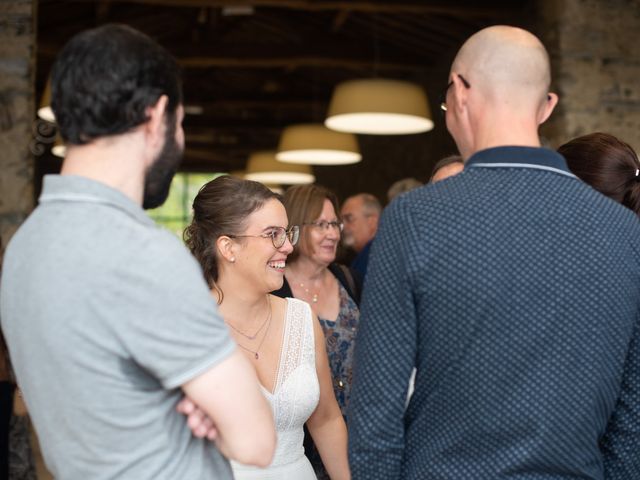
{"x": 45, "y": 112}
{"x": 379, "y": 107}
{"x": 59, "y": 149}
{"x": 315, "y": 144}
{"x": 264, "y": 168}
{"x": 274, "y": 187}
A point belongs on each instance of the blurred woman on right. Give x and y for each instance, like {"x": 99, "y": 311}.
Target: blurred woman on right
{"x": 608, "y": 164}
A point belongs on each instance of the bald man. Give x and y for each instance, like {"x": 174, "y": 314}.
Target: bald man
{"x": 513, "y": 289}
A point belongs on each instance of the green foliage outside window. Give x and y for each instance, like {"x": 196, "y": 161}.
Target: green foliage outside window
{"x": 175, "y": 213}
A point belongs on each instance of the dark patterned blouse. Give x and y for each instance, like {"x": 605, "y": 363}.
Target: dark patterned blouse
{"x": 340, "y": 335}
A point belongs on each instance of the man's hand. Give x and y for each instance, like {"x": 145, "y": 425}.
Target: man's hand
{"x": 201, "y": 426}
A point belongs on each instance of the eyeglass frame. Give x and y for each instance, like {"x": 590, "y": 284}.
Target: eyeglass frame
{"x": 324, "y": 225}
{"x": 292, "y": 233}
{"x": 443, "y": 102}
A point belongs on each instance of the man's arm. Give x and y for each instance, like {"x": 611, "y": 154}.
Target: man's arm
{"x": 230, "y": 395}
{"x": 384, "y": 354}
{"x": 621, "y": 442}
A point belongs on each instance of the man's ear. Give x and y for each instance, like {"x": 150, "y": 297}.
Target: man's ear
{"x": 547, "y": 108}
{"x": 155, "y": 125}
{"x": 461, "y": 93}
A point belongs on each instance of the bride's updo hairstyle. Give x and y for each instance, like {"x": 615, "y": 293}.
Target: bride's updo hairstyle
{"x": 221, "y": 208}
{"x": 608, "y": 164}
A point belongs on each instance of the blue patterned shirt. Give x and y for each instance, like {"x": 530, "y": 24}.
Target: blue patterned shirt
{"x": 514, "y": 289}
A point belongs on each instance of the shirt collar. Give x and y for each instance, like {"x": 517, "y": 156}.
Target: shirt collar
{"x": 520, "y": 157}
{"x": 77, "y": 189}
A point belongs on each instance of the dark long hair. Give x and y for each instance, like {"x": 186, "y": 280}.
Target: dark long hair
{"x": 221, "y": 208}
{"x": 608, "y": 164}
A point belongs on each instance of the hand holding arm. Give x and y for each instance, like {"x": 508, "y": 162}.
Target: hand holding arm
{"x": 229, "y": 394}
{"x": 197, "y": 420}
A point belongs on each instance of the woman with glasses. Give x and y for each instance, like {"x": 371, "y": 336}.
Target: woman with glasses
{"x": 240, "y": 236}
{"x": 332, "y": 290}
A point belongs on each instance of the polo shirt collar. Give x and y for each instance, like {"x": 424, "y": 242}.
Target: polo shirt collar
{"x": 77, "y": 189}
{"x": 520, "y": 157}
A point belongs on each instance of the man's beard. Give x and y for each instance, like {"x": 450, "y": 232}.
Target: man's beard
{"x": 157, "y": 181}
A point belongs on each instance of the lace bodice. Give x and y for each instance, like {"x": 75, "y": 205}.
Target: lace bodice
{"x": 296, "y": 391}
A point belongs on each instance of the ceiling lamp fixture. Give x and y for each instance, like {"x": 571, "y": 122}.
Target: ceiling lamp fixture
{"x": 315, "y": 144}
{"x": 264, "y": 168}
{"x": 379, "y": 107}
{"x": 59, "y": 149}
{"x": 45, "y": 112}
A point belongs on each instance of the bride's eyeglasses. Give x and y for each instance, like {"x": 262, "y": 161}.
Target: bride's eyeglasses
{"x": 278, "y": 235}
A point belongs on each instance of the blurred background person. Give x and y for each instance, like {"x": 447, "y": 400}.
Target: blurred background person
{"x": 608, "y": 164}
{"x": 332, "y": 290}
{"x": 240, "y": 236}
{"x": 446, "y": 167}
{"x": 360, "y": 215}
{"x": 401, "y": 186}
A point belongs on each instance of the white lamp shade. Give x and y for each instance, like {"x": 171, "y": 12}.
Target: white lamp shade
{"x": 59, "y": 149}
{"x": 264, "y": 168}
{"x": 45, "y": 112}
{"x": 379, "y": 107}
{"x": 315, "y": 144}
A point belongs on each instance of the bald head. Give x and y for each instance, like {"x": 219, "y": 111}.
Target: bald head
{"x": 505, "y": 61}
{"x": 499, "y": 90}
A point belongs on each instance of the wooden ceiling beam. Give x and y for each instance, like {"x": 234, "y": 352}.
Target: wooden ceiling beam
{"x": 444, "y": 8}
{"x": 294, "y": 62}
{"x": 260, "y": 103}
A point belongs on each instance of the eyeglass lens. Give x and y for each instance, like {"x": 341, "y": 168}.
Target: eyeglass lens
{"x": 324, "y": 225}
{"x": 280, "y": 235}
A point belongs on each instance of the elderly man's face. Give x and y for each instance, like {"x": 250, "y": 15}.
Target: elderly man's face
{"x": 359, "y": 226}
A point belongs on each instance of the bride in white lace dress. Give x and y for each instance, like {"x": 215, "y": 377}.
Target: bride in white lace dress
{"x": 239, "y": 235}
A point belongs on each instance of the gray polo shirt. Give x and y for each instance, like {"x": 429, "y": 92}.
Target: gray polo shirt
{"x": 106, "y": 315}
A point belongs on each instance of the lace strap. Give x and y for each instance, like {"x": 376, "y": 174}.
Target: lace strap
{"x": 298, "y": 342}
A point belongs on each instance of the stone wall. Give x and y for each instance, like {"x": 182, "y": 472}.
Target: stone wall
{"x": 17, "y": 54}
{"x": 596, "y": 67}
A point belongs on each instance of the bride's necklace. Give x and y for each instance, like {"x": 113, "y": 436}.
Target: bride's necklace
{"x": 266, "y": 322}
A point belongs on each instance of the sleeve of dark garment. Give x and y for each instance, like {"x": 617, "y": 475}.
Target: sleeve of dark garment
{"x": 621, "y": 442}
{"x": 384, "y": 353}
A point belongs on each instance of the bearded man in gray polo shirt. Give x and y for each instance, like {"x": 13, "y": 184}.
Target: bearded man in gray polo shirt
{"x": 107, "y": 317}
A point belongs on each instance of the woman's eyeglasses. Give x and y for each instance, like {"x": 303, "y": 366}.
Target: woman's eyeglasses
{"x": 324, "y": 225}
{"x": 278, "y": 235}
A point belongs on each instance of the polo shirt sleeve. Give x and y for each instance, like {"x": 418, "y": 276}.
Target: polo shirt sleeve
{"x": 173, "y": 328}
{"x": 384, "y": 353}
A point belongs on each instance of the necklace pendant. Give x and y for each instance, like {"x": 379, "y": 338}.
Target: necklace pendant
{"x": 257, "y": 356}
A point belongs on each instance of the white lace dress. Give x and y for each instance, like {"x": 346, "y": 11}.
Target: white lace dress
{"x": 293, "y": 400}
